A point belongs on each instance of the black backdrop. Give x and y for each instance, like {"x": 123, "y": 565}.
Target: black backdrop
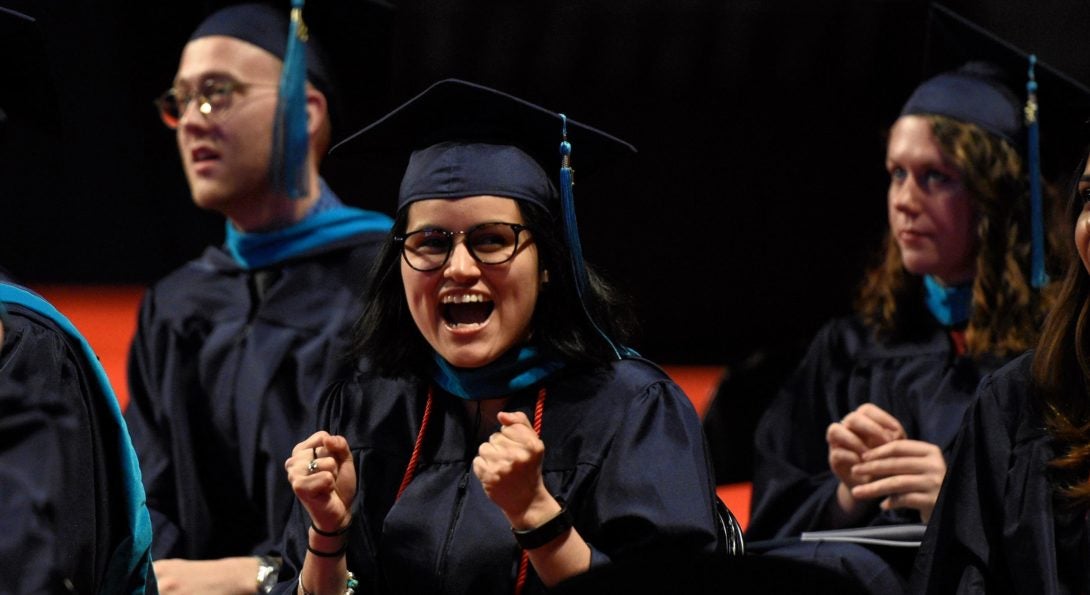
{"x": 755, "y": 201}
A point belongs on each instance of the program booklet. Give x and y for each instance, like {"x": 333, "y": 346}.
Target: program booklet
{"x": 889, "y": 535}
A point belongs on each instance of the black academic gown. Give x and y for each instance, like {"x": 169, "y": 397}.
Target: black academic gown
{"x": 62, "y": 485}
{"x": 225, "y": 374}
{"x": 623, "y": 447}
{"x": 999, "y": 526}
{"x": 922, "y": 382}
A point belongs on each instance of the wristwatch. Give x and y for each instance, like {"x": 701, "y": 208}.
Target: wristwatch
{"x": 268, "y": 569}
{"x": 538, "y": 536}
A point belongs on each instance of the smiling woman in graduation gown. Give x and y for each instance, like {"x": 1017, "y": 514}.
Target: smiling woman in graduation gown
{"x": 514, "y": 442}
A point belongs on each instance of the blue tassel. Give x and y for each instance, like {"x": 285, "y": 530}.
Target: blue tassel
{"x": 1038, "y": 276}
{"x": 567, "y": 207}
{"x": 571, "y": 232}
{"x": 288, "y": 165}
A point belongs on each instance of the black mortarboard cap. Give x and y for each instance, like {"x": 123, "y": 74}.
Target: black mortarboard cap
{"x": 1008, "y": 92}
{"x": 267, "y": 27}
{"x": 975, "y": 93}
{"x": 462, "y": 139}
{"x": 1063, "y": 101}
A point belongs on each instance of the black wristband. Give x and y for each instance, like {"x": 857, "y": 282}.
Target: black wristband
{"x": 336, "y": 533}
{"x": 335, "y": 554}
{"x": 538, "y": 536}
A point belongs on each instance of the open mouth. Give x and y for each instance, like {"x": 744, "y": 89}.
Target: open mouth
{"x": 204, "y": 154}
{"x": 466, "y": 311}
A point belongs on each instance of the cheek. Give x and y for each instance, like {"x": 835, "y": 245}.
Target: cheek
{"x": 524, "y": 291}
{"x": 1082, "y": 238}
{"x": 250, "y": 128}
{"x": 966, "y": 229}
{"x": 257, "y": 141}
{"x": 416, "y": 294}
{"x": 956, "y": 224}
{"x": 527, "y": 303}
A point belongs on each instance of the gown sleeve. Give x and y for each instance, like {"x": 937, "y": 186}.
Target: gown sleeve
{"x": 956, "y": 550}
{"x": 994, "y": 526}
{"x": 655, "y": 492}
{"x": 39, "y": 411}
{"x": 150, "y": 438}
{"x": 63, "y": 501}
{"x": 793, "y": 485}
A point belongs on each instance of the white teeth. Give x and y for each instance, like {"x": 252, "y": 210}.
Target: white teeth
{"x": 467, "y": 298}
{"x": 462, "y": 325}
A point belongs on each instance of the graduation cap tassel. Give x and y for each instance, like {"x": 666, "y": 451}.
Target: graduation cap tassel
{"x": 571, "y": 228}
{"x": 567, "y": 207}
{"x": 1038, "y": 276}
{"x": 290, "y": 139}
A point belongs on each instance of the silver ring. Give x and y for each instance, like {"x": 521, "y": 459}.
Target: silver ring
{"x": 312, "y": 466}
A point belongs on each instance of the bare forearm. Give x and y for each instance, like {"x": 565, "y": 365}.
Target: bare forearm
{"x": 322, "y": 575}
{"x": 563, "y": 558}
{"x": 224, "y": 576}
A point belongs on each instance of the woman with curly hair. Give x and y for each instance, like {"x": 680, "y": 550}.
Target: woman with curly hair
{"x": 1012, "y": 517}
{"x": 857, "y": 435}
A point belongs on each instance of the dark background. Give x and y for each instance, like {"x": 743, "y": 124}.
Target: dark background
{"x": 746, "y": 219}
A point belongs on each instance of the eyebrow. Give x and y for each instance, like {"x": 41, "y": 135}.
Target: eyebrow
{"x": 206, "y": 76}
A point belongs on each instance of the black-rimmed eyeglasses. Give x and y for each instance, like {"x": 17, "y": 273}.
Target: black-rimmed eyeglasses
{"x": 489, "y": 243}
{"x": 212, "y": 95}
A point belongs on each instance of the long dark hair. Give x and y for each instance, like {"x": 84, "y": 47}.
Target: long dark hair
{"x": 387, "y": 336}
{"x": 1006, "y": 311}
{"x": 1061, "y": 363}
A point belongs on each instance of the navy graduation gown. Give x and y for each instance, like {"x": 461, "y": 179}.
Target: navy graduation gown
{"x": 623, "y": 447}
{"x": 64, "y": 515}
{"x": 225, "y": 374}
{"x": 922, "y": 383}
{"x": 999, "y": 526}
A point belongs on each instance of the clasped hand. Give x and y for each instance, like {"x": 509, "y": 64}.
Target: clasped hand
{"x": 872, "y": 457}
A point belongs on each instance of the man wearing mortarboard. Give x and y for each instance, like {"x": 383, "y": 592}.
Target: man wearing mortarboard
{"x": 233, "y": 349}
